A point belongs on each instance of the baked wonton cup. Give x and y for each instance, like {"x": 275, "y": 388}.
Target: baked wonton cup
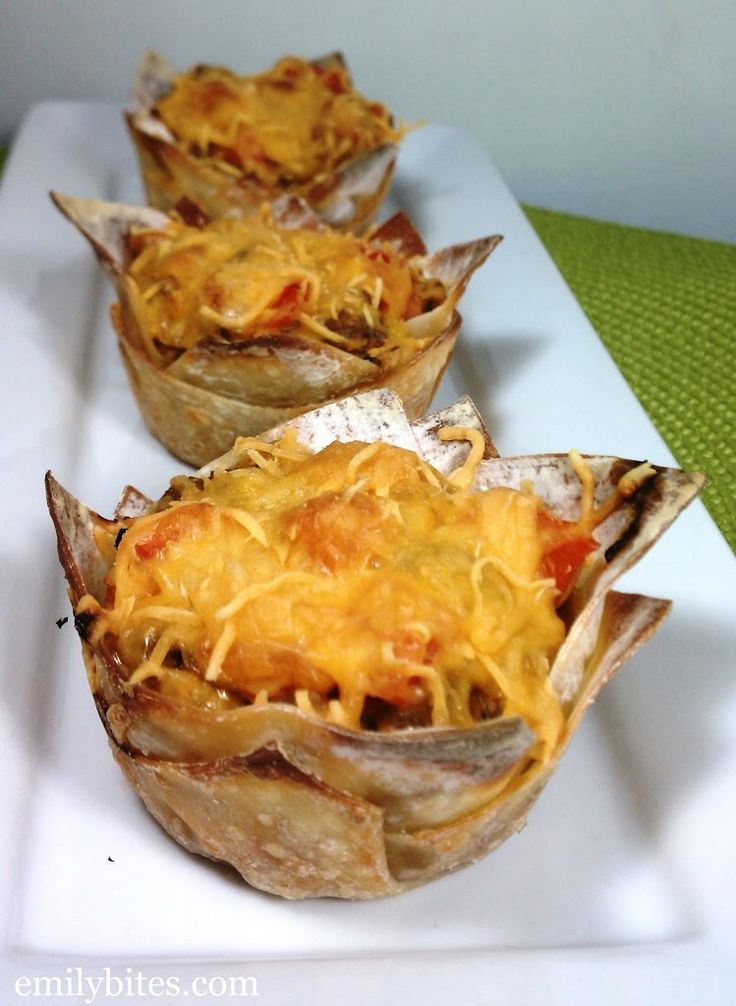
{"x": 231, "y": 172}
{"x": 197, "y": 397}
{"x": 303, "y": 807}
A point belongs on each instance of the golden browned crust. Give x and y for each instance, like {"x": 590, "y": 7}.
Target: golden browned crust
{"x": 304, "y": 808}
{"x": 232, "y": 811}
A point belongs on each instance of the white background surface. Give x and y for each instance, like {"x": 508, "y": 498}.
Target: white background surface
{"x": 617, "y": 109}
{"x": 620, "y": 889}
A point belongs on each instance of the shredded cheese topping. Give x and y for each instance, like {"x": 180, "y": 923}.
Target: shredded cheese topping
{"x": 357, "y": 583}
{"x": 294, "y": 125}
{"x": 236, "y": 279}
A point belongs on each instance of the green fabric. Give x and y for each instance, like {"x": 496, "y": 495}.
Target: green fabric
{"x": 665, "y": 308}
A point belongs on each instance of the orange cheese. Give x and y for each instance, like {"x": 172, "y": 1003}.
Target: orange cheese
{"x": 236, "y": 279}
{"x": 356, "y": 583}
{"x": 296, "y": 123}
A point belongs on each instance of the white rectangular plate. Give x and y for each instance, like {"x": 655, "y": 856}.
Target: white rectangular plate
{"x": 618, "y": 886}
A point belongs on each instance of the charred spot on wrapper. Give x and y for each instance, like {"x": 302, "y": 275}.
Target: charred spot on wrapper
{"x": 83, "y": 622}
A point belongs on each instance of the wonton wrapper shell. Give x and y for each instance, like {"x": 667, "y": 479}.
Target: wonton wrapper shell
{"x": 303, "y": 808}
{"x": 216, "y": 391}
{"x": 348, "y": 200}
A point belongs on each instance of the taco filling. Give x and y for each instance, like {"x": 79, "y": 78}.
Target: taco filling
{"x": 230, "y": 281}
{"x": 293, "y": 125}
{"x": 357, "y": 583}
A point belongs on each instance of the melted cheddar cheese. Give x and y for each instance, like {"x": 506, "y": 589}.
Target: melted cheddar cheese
{"x": 293, "y": 125}
{"x": 236, "y": 279}
{"x": 356, "y": 583}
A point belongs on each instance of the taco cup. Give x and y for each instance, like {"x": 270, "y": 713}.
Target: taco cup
{"x": 345, "y": 658}
{"x": 229, "y": 327}
{"x": 228, "y": 143}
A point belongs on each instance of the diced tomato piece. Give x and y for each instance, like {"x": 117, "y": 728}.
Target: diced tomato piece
{"x": 378, "y": 255}
{"x": 172, "y": 526}
{"x": 288, "y": 296}
{"x": 397, "y": 282}
{"x": 153, "y": 546}
{"x": 335, "y": 81}
{"x": 334, "y": 533}
{"x": 564, "y": 562}
{"x": 284, "y": 308}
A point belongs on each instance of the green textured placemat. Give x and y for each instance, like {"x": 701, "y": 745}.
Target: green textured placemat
{"x": 665, "y": 308}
